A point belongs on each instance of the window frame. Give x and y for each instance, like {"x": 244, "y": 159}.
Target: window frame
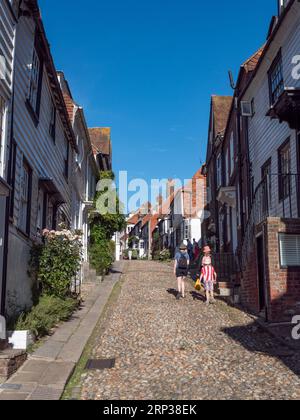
{"x": 52, "y": 124}
{"x": 27, "y": 230}
{"x": 3, "y": 132}
{"x": 34, "y": 108}
{"x": 282, "y": 177}
{"x": 275, "y": 93}
{"x": 282, "y": 266}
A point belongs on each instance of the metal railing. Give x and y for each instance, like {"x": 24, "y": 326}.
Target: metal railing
{"x": 277, "y": 195}
{"x": 225, "y": 265}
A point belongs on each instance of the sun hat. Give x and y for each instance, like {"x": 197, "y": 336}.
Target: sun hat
{"x": 183, "y": 246}
{"x": 206, "y": 249}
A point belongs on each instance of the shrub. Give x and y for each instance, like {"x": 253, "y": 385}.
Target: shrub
{"x": 165, "y": 255}
{"x": 46, "y": 315}
{"x": 56, "y": 262}
{"x": 101, "y": 256}
{"x": 135, "y": 254}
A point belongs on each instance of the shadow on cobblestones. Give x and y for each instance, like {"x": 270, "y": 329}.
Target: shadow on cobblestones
{"x": 258, "y": 341}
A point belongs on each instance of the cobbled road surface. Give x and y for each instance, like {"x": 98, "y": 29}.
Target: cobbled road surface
{"x": 179, "y": 350}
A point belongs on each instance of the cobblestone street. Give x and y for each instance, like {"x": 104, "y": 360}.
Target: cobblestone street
{"x": 168, "y": 349}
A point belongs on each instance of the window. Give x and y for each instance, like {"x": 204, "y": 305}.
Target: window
{"x": 219, "y": 171}
{"x": 35, "y": 82}
{"x": 66, "y": 159}
{"x": 276, "y": 83}
{"x": 232, "y": 154}
{"x": 227, "y": 166}
{"x": 40, "y": 216}
{"x": 228, "y": 223}
{"x": 284, "y": 166}
{"x": 79, "y": 155}
{"x": 52, "y": 125}
{"x": 25, "y": 207}
{"x": 289, "y": 248}
{"x": 12, "y": 178}
{"x": 221, "y": 228}
{"x": 2, "y": 134}
{"x": 267, "y": 192}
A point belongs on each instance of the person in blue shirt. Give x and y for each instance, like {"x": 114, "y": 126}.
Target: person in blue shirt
{"x": 181, "y": 269}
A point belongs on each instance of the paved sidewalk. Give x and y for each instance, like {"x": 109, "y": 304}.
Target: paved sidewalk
{"x": 45, "y": 374}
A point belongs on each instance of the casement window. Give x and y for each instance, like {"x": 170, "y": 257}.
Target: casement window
{"x": 2, "y": 134}
{"x": 284, "y": 166}
{"x": 266, "y": 177}
{"x": 219, "y": 171}
{"x": 276, "y": 82}
{"x": 52, "y": 125}
{"x": 40, "y": 216}
{"x": 12, "y": 178}
{"x": 79, "y": 155}
{"x": 25, "y": 204}
{"x": 35, "y": 82}
{"x": 228, "y": 223}
{"x": 221, "y": 228}
{"x": 227, "y": 167}
{"x": 66, "y": 159}
{"x": 232, "y": 155}
{"x": 289, "y": 249}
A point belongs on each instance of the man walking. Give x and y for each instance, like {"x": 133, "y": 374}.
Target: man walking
{"x": 181, "y": 268}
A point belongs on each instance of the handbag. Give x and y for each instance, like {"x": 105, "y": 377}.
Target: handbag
{"x": 198, "y": 285}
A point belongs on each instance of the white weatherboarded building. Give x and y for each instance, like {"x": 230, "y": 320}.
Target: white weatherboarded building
{"x": 8, "y": 13}
{"x": 41, "y": 156}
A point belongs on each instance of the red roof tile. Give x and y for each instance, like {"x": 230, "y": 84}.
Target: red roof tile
{"x": 101, "y": 140}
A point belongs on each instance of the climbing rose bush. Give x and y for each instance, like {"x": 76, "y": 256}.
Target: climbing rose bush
{"x": 58, "y": 261}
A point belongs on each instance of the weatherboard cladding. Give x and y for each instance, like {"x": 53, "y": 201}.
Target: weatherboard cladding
{"x": 267, "y": 135}
{"x": 35, "y": 143}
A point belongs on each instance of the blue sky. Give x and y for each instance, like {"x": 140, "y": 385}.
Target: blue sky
{"x": 147, "y": 69}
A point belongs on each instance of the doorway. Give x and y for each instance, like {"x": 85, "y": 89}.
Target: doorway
{"x": 261, "y": 268}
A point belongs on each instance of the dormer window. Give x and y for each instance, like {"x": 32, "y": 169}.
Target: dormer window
{"x": 276, "y": 82}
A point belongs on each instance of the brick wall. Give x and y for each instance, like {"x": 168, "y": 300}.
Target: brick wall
{"x": 284, "y": 283}
{"x": 249, "y": 284}
{"x": 10, "y": 362}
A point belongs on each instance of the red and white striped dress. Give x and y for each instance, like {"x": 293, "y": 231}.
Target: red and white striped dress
{"x": 208, "y": 272}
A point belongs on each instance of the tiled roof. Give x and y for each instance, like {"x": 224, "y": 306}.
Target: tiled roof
{"x": 133, "y": 220}
{"x": 101, "y": 140}
{"x": 153, "y": 222}
{"x": 221, "y": 106}
{"x": 69, "y": 105}
{"x": 252, "y": 62}
{"x": 146, "y": 219}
